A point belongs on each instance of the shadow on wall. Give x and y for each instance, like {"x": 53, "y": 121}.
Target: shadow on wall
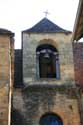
{"x": 18, "y": 83}
{"x": 38, "y": 101}
{"x": 18, "y": 118}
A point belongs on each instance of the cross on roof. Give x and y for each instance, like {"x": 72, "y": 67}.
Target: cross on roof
{"x": 46, "y": 13}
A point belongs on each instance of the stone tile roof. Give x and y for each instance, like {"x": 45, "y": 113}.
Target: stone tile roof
{"x": 6, "y": 32}
{"x": 46, "y": 26}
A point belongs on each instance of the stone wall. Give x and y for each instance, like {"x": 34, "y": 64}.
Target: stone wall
{"x": 36, "y": 101}
{"x": 4, "y": 78}
{"x": 47, "y": 95}
{"x": 63, "y": 44}
{"x": 78, "y": 63}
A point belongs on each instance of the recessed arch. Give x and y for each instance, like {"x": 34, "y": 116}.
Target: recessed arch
{"x": 47, "y": 61}
{"x": 50, "y": 119}
{"x": 46, "y": 46}
{"x": 48, "y": 41}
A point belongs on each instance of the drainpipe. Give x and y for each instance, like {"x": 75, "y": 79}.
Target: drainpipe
{"x": 10, "y": 85}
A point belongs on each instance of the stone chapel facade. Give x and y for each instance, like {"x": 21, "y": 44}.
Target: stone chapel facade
{"x": 50, "y": 95}
{"x": 46, "y": 74}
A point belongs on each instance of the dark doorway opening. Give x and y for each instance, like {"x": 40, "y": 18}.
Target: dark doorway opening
{"x": 48, "y": 61}
{"x": 50, "y": 119}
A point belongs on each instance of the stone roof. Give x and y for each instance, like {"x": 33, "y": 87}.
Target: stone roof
{"x": 6, "y": 32}
{"x": 46, "y": 26}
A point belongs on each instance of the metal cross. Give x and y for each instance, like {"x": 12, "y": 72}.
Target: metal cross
{"x": 46, "y": 13}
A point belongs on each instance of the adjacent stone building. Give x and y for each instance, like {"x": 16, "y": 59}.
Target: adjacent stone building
{"x": 48, "y": 94}
{"x": 6, "y": 74}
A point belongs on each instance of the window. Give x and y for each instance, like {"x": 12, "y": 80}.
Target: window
{"x": 47, "y": 62}
{"x": 50, "y": 119}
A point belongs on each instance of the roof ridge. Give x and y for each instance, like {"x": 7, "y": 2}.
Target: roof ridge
{"x": 46, "y": 26}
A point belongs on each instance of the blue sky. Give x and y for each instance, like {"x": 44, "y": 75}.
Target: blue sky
{"x": 18, "y": 15}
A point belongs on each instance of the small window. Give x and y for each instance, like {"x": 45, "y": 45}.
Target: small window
{"x": 50, "y": 119}
{"x": 47, "y": 62}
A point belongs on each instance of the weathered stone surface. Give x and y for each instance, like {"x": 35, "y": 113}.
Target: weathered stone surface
{"x": 39, "y": 100}
{"x": 59, "y": 40}
{"x": 5, "y": 42}
{"x": 41, "y": 96}
{"x": 78, "y": 63}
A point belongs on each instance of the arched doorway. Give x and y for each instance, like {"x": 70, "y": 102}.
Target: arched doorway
{"x": 47, "y": 61}
{"x": 50, "y": 119}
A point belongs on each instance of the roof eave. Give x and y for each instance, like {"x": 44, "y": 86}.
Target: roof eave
{"x": 66, "y": 32}
{"x": 75, "y": 35}
{"x": 6, "y": 32}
